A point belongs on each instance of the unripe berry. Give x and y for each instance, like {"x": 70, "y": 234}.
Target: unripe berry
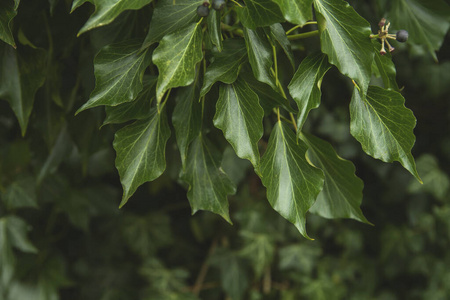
{"x": 218, "y": 4}
{"x": 402, "y": 36}
{"x": 203, "y": 11}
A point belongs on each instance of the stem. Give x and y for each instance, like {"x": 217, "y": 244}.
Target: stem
{"x": 275, "y": 65}
{"x": 160, "y": 107}
{"x": 300, "y": 26}
{"x": 204, "y": 269}
{"x": 303, "y": 35}
{"x": 237, "y": 4}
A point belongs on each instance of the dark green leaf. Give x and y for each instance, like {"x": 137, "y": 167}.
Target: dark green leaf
{"x": 305, "y": 85}
{"x": 344, "y": 37}
{"x": 260, "y": 55}
{"x": 136, "y": 110}
{"x": 292, "y": 183}
{"x": 187, "y": 119}
{"x": 215, "y": 32}
{"x": 342, "y": 191}
{"x": 384, "y": 126}
{"x": 170, "y": 16}
{"x": 258, "y": 13}
{"x": 296, "y": 11}
{"x": 106, "y": 11}
{"x": 176, "y": 58}
{"x": 21, "y": 193}
{"x": 226, "y": 64}
{"x": 278, "y": 34}
{"x": 427, "y": 21}
{"x": 8, "y": 10}
{"x": 208, "y": 183}
{"x": 22, "y": 74}
{"x": 118, "y": 74}
{"x": 385, "y": 67}
{"x": 239, "y": 116}
{"x": 140, "y": 149}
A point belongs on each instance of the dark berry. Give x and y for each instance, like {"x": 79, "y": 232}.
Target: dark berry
{"x": 202, "y": 11}
{"x": 218, "y": 4}
{"x": 402, "y": 36}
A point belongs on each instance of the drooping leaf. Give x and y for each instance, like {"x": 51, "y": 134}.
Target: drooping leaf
{"x": 22, "y": 74}
{"x": 208, "y": 183}
{"x": 107, "y": 10}
{"x": 136, "y": 110}
{"x": 427, "y": 21}
{"x": 170, "y": 16}
{"x": 305, "y": 85}
{"x": 239, "y": 116}
{"x": 214, "y": 30}
{"x": 21, "y": 193}
{"x": 384, "y": 126}
{"x": 292, "y": 183}
{"x": 385, "y": 67}
{"x": 187, "y": 119}
{"x": 342, "y": 190}
{"x": 8, "y": 10}
{"x": 258, "y": 13}
{"x": 176, "y": 57}
{"x": 226, "y": 64}
{"x": 118, "y": 74}
{"x": 260, "y": 55}
{"x": 344, "y": 37}
{"x": 278, "y": 34}
{"x": 296, "y": 11}
{"x": 140, "y": 149}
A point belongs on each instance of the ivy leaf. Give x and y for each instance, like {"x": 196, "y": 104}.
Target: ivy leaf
{"x": 384, "y": 126}
{"x": 427, "y": 21}
{"x": 140, "y": 149}
{"x": 22, "y": 74}
{"x": 8, "y": 10}
{"x": 305, "y": 85}
{"x": 297, "y": 12}
{"x": 260, "y": 55}
{"x": 208, "y": 183}
{"x": 118, "y": 74}
{"x": 258, "y": 13}
{"x": 107, "y": 10}
{"x": 240, "y": 117}
{"x": 226, "y": 64}
{"x": 138, "y": 109}
{"x": 292, "y": 183}
{"x": 385, "y": 67}
{"x": 187, "y": 119}
{"x": 21, "y": 193}
{"x": 278, "y": 34}
{"x": 176, "y": 57}
{"x": 214, "y": 30}
{"x": 170, "y": 16}
{"x": 342, "y": 190}
{"x": 344, "y": 37}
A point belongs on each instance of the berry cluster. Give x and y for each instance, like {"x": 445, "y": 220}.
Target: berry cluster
{"x": 203, "y": 10}
{"x": 383, "y": 34}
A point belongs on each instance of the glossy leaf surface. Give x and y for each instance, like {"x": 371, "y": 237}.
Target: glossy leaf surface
{"x": 292, "y": 183}
{"x": 258, "y": 13}
{"x": 214, "y": 30}
{"x": 278, "y": 34}
{"x": 296, "y": 11}
{"x": 385, "y": 67}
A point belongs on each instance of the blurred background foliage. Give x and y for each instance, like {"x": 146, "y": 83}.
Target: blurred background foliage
{"x": 62, "y": 235}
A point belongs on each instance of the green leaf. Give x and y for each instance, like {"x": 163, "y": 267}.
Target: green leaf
{"x": 384, "y": 126}
{"x": 214, "y": 30}
{"x": 16, "y": 234}
{"x": 260, "y": 55}
{"x": 305, "y": 85}
{"x": 342, "y": 191}
{"x": 296, "y": 11}
{"x": 427, "y": 21}
{"x": 176, "y": 57}
{"x": 385, "y": 67}
{"x": 170, "y": 16}
{"x": 187, "y": 119}
{"x": 140, "y": 149}
{"x": 107, "y": 10}
{"x": 240, "y": 117}
{"x": 292, "y": 183}
{"x": 22, "y": 74}
{"x": 258, "y": 13}
{"x": 208, "y": 183}
{"x": 21, "y": 193}
{"x": 118, "y": 74}
{"x": 8, "y": 10}
{"x": 226, "y": 64}
{"x": 344, "y": 37}
{"x": 278, "y": 35}
{"x": 138, "y": 109}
